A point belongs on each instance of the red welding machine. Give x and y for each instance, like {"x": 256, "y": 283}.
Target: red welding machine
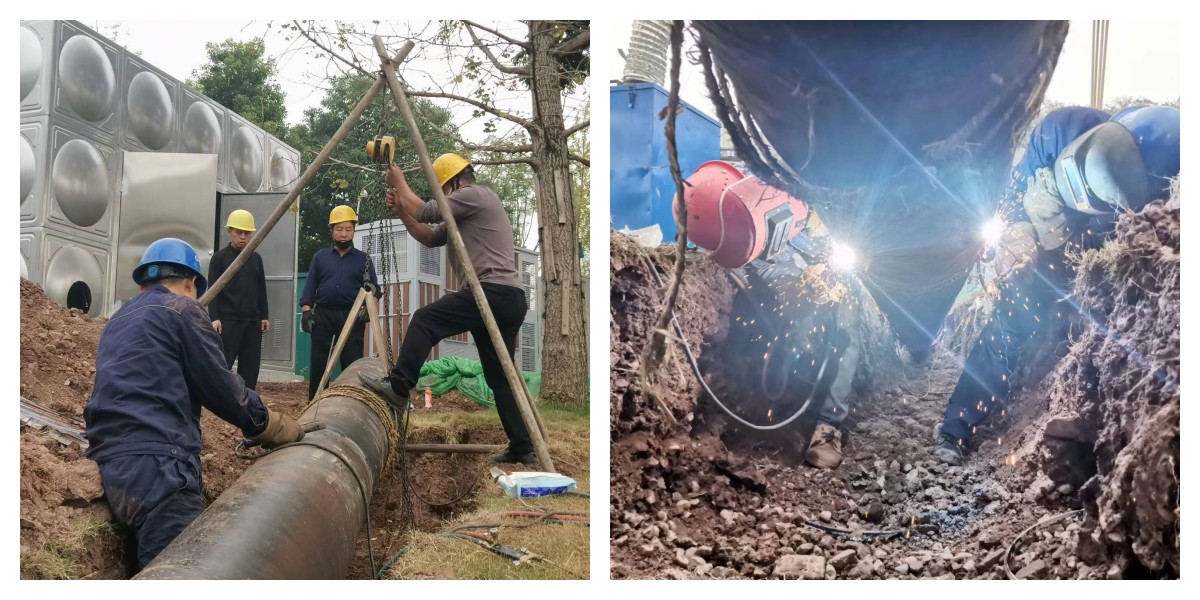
{"x": 737, "y": 217}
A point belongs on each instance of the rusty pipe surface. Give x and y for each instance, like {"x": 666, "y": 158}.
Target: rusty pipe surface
{"x": 295, "y": 513}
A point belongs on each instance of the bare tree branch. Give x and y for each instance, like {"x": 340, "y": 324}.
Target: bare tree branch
{"x": 318, "y": 44}
{"x": 503, "y": 68}
{"x": 500, "y": 149}
{"x": 510, "y": 40}
{"x": 575, "y": 44}
{"x": 477, "y": 104}
{"x": 581, "y": 160}
{"x": 506, "y": 161}
{"x": 576, "y": 128}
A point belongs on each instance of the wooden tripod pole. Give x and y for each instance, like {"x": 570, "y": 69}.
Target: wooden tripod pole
{"x": 341, "y": 340}
{"x": 524, "y": 402}
{"x": 215, "y": 287}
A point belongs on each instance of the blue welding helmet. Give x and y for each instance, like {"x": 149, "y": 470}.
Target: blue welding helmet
{"x": 1122, "y": 164}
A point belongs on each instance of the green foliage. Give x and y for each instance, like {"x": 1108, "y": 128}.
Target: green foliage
{"x": 574, "y": 66}
{"x": 240, "y": 77}
{"x": 338, "y": 183}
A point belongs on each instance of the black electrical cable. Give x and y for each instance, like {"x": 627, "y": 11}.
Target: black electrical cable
{"x": 704, "y": 384}
{"x": 387, "y": 564}
{"x": 886, "y": 533}
{"x": 362, "y": 488}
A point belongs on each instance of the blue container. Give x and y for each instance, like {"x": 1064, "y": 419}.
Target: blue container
{"x": 639, "y": 173}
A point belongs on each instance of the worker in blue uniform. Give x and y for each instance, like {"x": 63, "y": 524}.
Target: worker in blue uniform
{"x": 160, "y": 361}
{"x": 335, "y": 276}
{"x": 1081, "y": 169}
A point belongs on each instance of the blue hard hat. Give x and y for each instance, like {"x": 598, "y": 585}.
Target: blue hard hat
{"x": 1156, "y": 131}
{"x": 1122, "y": 164}
{"x": 170, "y": 257}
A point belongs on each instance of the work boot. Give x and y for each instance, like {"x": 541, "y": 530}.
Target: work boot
{"x": 382, "y": 387}
{"x": 949, "y": 450}
{"x": 508, "y": 456}
{"x": 825, "y": 447}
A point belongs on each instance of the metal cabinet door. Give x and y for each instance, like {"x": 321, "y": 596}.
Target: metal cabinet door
{"x": 162, "y": 195}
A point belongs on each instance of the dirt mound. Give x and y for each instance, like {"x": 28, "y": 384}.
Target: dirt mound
{"x": 58, "y": 352}
{"x": 1116, "y": 401}
{"x": 636, "y": 300}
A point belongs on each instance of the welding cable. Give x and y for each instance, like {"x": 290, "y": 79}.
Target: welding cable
{"x": 362, "y": 488}
{"x": 886, "y": 533}
{"x": 704, "y": 385}
{"x": 550, "y": 516}
{"x": 1050, "y": 521}
{"x": 516, "y": 555}
{"x": 387, "y": 564}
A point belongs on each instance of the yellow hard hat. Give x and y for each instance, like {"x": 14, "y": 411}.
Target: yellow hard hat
{"x": 241, "y": 219}
{"x": 341, "y": 214}
{"x": 447, "y": 166}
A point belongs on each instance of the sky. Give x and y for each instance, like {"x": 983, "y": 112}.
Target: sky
{"x": 177, "y": 48}
{"x": 1143, "y": 60}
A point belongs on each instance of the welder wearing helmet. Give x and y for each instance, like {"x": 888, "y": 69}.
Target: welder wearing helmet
{"x": 827, "y": 340}
{"x": 239, "y": 312}
{"x": 487, "y": 234}
{"x": 1080, "y": 170}
{"x": 160, "y": 361}
{"x": 335, "y": 276}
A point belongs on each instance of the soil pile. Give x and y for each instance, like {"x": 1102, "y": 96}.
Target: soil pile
{"x": 58, "y": 352}
{"x": 1115, "y": 400}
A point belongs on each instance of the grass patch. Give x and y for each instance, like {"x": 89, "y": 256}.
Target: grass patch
{"x": 431, "y": 555}
{"x": 57, "y": 558}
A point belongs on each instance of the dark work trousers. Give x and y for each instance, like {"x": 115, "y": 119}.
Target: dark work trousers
{"x": 242, "y": 340}
{"x": 1028, "y": 300}
{"x": 457, "y": 313}
{"x": 155, "y": 496}
{"x": 327, "y": 324}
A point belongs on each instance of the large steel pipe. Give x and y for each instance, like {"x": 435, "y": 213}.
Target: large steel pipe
{"x": 297, "y": 512}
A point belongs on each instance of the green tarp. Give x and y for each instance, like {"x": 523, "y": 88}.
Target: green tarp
{"x": 466, "y": 375}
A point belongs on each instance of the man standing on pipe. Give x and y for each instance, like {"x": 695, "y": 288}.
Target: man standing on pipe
{"x": 1080, "y": 171}
{"x": 335, "y": 276}
{"x": 487, "y": 234}
{"x": 160, "y": 361}
{"x": 239, "y": 314}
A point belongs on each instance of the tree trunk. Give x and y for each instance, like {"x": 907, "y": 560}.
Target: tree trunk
{"x": 564, "y": 348}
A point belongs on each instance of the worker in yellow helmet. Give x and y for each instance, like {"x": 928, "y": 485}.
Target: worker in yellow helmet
{"x": 239, "y": 313}
{"x": 487, "y": 234}
{"x": 334, "y": 277}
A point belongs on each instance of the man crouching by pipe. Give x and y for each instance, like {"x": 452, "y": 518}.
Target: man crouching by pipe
{"x": 487, "y": 235}
{"x": 159, "y": 361}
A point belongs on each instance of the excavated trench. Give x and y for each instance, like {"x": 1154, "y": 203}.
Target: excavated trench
{"x": 1077, "y": 480}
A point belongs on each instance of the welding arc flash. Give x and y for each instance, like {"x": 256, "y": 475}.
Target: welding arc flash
{"x": 841, "y": 256}
{"x": 992, "y": 230}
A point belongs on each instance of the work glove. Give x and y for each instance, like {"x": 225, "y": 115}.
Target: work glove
{"x": 306, "y": 321}
{"x": 382, "y": 387}
{"x": 281, "y": 429}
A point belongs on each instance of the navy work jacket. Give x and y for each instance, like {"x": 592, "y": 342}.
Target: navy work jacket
{"x": 159, "y": 361}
